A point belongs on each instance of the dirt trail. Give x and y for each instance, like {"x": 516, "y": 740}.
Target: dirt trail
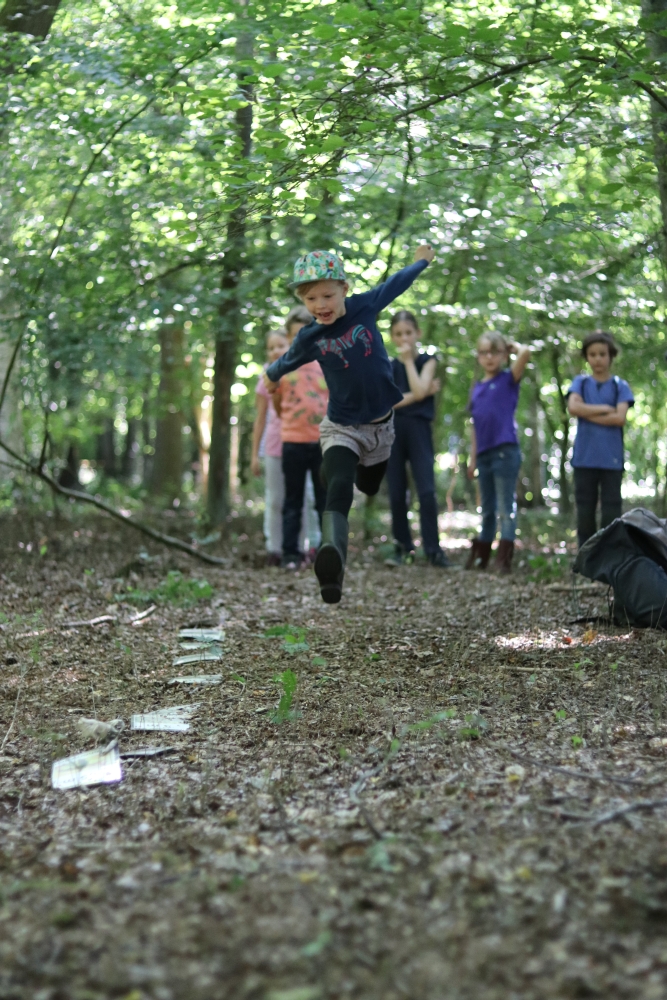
{"x": 406, "y": 834}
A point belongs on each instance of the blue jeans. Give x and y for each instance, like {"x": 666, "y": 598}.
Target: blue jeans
{"x": 498, "y": 470}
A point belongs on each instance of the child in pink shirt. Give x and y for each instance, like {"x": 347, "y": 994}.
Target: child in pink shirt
{"x": 301, "y": 401}
{"x": 266, "y": 438}
{"x": 267, "y": 444}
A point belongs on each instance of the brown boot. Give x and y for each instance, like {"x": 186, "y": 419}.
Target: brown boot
{"x": 504, "y": 557}
{"x": 479, "y": 555}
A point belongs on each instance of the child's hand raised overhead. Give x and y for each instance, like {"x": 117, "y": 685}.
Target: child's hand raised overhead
{"x": 269, "y": 385}
{"x": 424, "y": 252}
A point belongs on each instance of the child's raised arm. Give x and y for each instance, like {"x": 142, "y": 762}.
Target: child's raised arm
{"x": 401, "y": 281}
{"x": 522, "y": 358}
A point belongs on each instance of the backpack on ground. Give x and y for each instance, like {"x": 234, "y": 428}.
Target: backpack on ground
{"x": 630, "y": 555}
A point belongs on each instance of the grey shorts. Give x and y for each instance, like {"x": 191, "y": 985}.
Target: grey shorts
{"x": 370, "y": 442}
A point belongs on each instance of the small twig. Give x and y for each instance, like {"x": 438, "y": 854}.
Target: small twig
{"x": 32, "y": 635}
{"x": 369, "y": 822}
{"x": 563, "y": 814}
{"x": 92, "y": 621}
{"x": 599, "y": 779}
{"x": 143, "y": 614}
{"x": 16, "y": 706}
{"x": 536, "y": 670}
{"x": 643, "y": 805}
{"x": 284, "y": 821}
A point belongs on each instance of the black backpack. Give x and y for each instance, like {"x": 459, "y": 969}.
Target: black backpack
{"x": 630, "y": 555}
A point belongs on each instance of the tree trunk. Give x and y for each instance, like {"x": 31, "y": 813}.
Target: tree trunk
{"x": 657, "y": 46}
{"x": 69, "y": 474}
{"x": 106, "y": 450}
{"x": 535, "y": 449}
{"x": 167, "y": 473}
{"x": 227, "y": 336}
{"x": 29, "y": 17}
{"x": 245, "y": 449}
{"x": 565, "y": 505}
{"x": 128, "y": 461}
{"x": 10, "y": 415}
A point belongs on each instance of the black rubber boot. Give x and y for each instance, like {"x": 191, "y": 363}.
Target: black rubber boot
{"x": 330, "y": 559}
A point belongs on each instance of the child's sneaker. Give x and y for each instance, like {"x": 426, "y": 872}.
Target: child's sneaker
{"x": 291, "y": 563}
{"x": 439, "y": 559}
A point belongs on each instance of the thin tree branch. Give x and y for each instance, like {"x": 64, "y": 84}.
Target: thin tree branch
{"x": 507, "y": 71}
{"x": 158, "y": 536}
{"x": 643, "y": 805}
{"x": 16, "y": 706}
{"x": 599, "y": 779}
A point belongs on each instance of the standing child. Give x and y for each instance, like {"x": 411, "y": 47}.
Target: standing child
{"x": 300, "y": 400}
{"x": 266, "y": 429}
{"x": 414, "y": 374}
{"x": 267, "y": 444}
{"x": 601, "y": 403}
{"x": 297, "y": 317}
{"x": 494, "y": 448}
{"x": 357, "y": 433}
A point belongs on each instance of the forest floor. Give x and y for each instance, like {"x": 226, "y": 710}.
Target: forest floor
{"x": 466, "y": 797}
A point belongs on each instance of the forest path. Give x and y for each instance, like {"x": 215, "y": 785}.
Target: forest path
{"x": 405, "y": 834}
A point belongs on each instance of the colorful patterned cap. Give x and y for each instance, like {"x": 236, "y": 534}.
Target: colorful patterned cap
{"x": 319, "y": 265}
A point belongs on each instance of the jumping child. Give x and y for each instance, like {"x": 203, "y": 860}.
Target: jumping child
{"x": 357, "y": 433}
{"x": 414, "y": 374}
{"x": 601, "y": 404}
{"x": 494, "y": 448}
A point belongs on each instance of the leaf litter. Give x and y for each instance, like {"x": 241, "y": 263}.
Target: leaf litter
{"x": 417, "y": 819}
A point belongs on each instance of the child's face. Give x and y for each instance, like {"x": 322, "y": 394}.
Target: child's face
{"x": 293, "y": 329}
{"x": 490, "y": 356}
{"x": 599, "y": 359}
{"x": 276, "y": 347}
{"x": 325, "y": 300}
{"x": 405, "y": 335}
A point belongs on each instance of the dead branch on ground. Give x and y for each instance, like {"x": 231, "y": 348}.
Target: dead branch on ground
{"x": 157, "y": 536}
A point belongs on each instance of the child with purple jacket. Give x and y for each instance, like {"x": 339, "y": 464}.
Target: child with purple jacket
{"x": 494, "y": 449}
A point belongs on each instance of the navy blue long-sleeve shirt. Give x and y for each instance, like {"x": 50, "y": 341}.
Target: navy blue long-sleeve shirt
{"x": 352, "y": 354}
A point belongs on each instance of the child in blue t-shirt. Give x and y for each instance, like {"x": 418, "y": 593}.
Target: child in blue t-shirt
{"x": 357, "y": 433}
{"x": 601, "y": 403}
{"x": 494, "y": 448}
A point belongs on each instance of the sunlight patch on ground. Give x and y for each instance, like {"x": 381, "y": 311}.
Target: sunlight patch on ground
{"x": 557, "y": 640}
{"x": 459, "y": 520}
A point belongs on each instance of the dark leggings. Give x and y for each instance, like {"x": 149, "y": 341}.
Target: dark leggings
{"x": 587, "y": 484}
{"x": 341, "y": 470}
